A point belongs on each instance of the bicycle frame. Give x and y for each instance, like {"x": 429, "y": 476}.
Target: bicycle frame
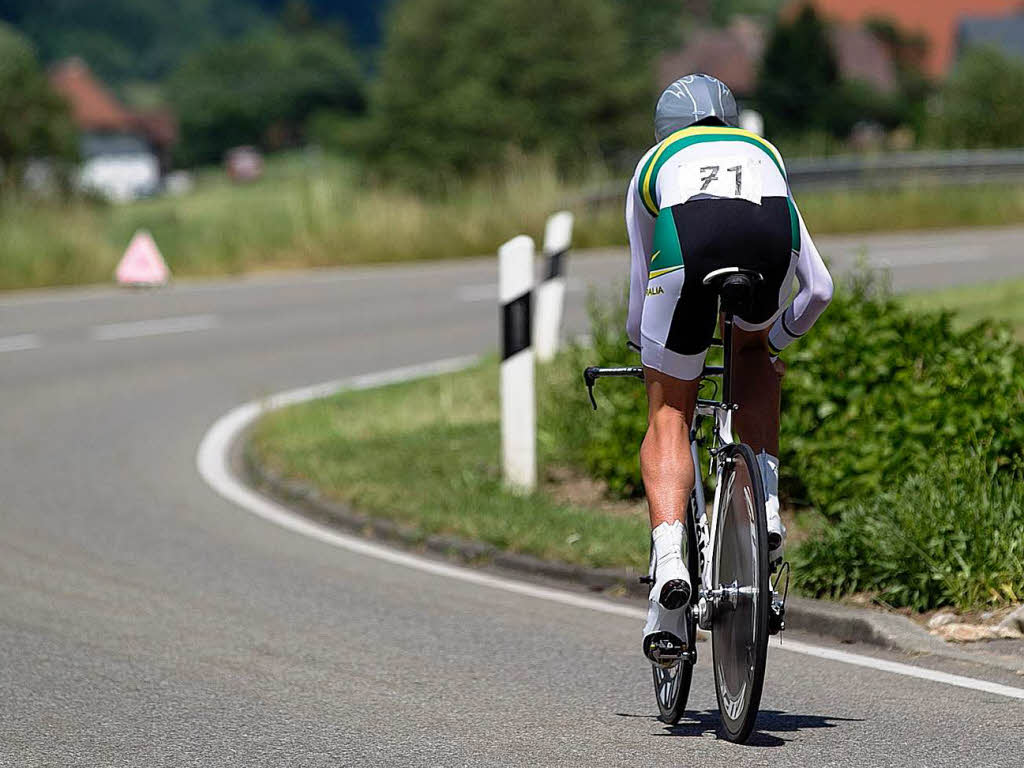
{"x": 722, "y": 412}
{"x": 722, "y": 434}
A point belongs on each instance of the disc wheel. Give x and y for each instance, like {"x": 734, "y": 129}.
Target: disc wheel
{"x": 739, "y": 636}
{"x": 672, "y": 685}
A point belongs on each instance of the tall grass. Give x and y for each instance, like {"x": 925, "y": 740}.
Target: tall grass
{"x": 426, "y": 454}
{"x": 318, "y": 210}
{"x": 952, "y": 535}
{"x": 312, "y": 212}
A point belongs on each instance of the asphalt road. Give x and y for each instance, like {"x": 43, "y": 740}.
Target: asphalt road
{"x": 144, "y": 621}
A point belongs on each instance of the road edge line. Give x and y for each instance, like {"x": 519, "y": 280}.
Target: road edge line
{"x": 213, "y": 462}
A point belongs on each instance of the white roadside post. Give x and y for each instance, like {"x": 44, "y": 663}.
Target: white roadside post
{"x": 518, "y": 409}
{"x": 551, "y": 292}
{"x": 751, "y": 120}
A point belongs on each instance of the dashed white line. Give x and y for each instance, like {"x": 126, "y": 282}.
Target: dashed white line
{"x": 213, "y": 464}
{"x": 140, "y": 328}
{"x": 20, "y": 342}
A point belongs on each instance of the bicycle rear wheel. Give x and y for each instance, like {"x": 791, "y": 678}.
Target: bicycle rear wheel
{"x": 672, "y": 685}
{"x": 739, "y": 635}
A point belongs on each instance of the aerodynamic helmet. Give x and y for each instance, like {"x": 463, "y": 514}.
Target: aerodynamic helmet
{"x": 689, "y": 100}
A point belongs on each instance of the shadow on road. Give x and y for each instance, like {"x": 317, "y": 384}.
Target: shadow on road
{"x": 769, "y": 723}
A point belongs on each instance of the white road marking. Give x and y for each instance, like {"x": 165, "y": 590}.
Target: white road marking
{"x": 212, "y": 461}
{"x": 140, "y": 328}
{"x": 896, "y": 667}
{"x": 489, "y": 291}
{"x": 19, "y": 343}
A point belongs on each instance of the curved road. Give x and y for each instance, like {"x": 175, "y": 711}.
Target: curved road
{"x": 144, "y": 621}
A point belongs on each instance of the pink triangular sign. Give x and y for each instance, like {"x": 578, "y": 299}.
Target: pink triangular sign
{"x": 142, "y": 263}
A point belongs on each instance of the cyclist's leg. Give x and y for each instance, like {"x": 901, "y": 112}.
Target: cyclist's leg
{"x": 756, "y": 384}
{"x": 756, "y": 389}
{"x": 665, "y": 460}
{"x": 668, "y": 474}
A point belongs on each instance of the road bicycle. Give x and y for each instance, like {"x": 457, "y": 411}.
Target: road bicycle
{"x": 727, "y": 551}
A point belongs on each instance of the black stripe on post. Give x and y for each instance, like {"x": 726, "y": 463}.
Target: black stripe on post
{"x": 556, "y": 264}
{"x": 515, "y": 326}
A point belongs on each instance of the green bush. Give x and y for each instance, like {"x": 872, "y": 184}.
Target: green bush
{"x": 951, "y": 535}
{"x": 873, "y": 394}
{"x": 605, "y": 443}
{"x": 876, "y": 391}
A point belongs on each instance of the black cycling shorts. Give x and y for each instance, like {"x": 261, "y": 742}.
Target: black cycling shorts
{"x": 680, "y": 312}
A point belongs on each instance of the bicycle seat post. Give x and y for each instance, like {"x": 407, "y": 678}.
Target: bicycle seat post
{"x": 735, "y": 289}
{"x": 727, "y": 322}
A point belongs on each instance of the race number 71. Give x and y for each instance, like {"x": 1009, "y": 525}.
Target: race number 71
{"x": 712, "y": 175}
{"x": 729, "y": 177}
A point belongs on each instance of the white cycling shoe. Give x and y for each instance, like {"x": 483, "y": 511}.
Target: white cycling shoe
{"x": 665, "y": 633}
{"x": 671, "y": 578}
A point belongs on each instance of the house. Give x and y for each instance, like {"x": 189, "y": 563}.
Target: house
{"x": 124, "y": 152}
{"x": 937, "y": 20}
{"x": 733, "y": 55}
{"x": 1003, "y": 32}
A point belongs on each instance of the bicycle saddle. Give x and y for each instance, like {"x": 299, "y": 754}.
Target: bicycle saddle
{"x": 734, "y": 285}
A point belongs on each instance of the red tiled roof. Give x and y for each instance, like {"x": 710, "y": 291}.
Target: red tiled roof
{"x": 93, "y": 107}
{"x": 936, "y": 19}
{"x": 862, "y": 56}
{"x": 732, "y": 55}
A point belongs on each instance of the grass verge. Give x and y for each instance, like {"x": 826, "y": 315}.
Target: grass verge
{"x": 426, "y": 454}
{"x": 1002, "y": 300}
{"x": 318, "y": 210}
{"x": 952, "y": 535}
{"x": 943, "y": 529}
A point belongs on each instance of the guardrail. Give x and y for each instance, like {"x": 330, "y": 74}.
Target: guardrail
{"x": 882, "y": 170}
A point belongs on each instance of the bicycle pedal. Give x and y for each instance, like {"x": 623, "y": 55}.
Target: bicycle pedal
{"x": 665, "y": 649}
{"x": 777, "y": 614}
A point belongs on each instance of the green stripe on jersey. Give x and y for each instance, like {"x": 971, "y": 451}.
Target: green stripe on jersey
{"x": 794, "y": 226}
{"x": 686, "y": 138}
{"x": 668, "y": 253}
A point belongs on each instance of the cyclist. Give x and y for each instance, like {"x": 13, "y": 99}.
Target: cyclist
{"x": 709, "y": 195}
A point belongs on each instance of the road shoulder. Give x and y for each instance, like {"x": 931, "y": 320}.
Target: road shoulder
{"x": 843, "y": 623}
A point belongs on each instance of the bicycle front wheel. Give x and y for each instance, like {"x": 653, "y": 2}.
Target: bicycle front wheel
{"x": 739, "y": 635}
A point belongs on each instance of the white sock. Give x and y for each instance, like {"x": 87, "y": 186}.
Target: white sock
{"x": 668, "y": 541}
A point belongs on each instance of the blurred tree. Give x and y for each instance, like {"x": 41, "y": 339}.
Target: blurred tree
{"x": 907, "y": 50}
{"x": 656, "y": 26}
{"x": 980, "y": 105}
{"x": 296, "y": 16}
{"x": 798, "y": 74}
{"x": 261, "y": 90}
{"x": 34, "y": 121}
{"x": 130, "y": 39}
{"x": 461, "y": 82}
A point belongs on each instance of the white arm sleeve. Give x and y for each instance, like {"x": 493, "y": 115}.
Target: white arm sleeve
{"x": 640, "y": 227}
{"x": 814, "y": 295}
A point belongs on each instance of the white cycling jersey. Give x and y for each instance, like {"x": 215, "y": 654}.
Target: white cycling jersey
{"x": 724, "y": 199}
